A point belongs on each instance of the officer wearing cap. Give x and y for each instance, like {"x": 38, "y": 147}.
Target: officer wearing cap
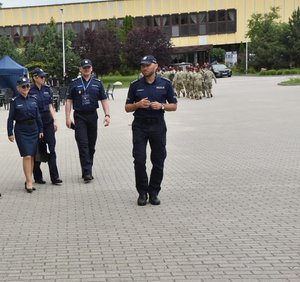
{"x": 83, "y": 96}
{"x": 149, "y": 97}
{"x": 44, "y": 95}
{"x": 28, "y": 127}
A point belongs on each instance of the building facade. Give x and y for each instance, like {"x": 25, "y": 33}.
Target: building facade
{"x": 193, "y": 25}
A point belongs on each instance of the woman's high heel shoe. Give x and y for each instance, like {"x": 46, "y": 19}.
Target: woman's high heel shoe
{"x": 29, "y": 190}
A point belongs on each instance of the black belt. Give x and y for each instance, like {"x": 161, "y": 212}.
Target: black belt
{"x": 85, "y": 112}
{"x": 149, "y": 121}
{"x": 26, "y": 121}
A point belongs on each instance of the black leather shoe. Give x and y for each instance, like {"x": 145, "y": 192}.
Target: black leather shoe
{"x": 87, "y": 178}
{"x": 40, "y": 181}
{"x": 142, "y": 200}
{"x": 153, "y": 200}
{"x": 57, "y": 181}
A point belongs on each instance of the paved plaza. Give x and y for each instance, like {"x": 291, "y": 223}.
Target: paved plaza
{"x": 230, "y": 197}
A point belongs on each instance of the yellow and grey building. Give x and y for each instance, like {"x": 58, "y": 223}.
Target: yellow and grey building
{"x": 193, "y": 25}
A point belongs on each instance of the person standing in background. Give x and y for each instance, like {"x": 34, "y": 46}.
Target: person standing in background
{"x": 44, "y": 97}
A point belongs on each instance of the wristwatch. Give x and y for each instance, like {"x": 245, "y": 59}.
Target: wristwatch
{"x": 162, "y": 106}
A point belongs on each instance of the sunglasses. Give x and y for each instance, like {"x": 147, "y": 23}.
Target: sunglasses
{"x": 25, "y": 86}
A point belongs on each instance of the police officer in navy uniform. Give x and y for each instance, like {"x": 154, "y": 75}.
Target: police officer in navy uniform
{"x": 83, "y": 95}
{"x": 28, "y": 127}
{"x": 149, "y": 97}
{"x": 44, "y": 96}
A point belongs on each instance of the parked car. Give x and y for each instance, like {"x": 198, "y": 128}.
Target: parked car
{"x": 221, "y": 70}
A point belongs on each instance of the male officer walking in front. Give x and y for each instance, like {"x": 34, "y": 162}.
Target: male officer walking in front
{"x": 149, "y": 97}
{"x": 83, "y": 95}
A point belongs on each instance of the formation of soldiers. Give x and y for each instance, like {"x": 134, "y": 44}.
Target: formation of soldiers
{"x": 193, "y": 83}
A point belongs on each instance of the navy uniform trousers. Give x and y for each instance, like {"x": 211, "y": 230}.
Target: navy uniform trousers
{"x": 49, "y": 137}
{"x": 152, "y": 130}
{"x": 86, "y": 125}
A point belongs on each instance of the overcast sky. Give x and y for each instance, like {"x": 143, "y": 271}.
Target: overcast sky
{"x": 26, "y": 3}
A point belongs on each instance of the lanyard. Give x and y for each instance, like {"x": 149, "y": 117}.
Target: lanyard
{"x": 85, "y": 87}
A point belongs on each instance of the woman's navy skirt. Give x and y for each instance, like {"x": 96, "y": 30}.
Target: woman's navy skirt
{"x": 27, "y": 136}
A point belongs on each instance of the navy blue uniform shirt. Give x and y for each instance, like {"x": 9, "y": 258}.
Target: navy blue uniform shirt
{"x": 44, "y": 97}
{"x": 86, "y": 94}
{"x": 160, "y": 90}
{"x": 22, "y": 109}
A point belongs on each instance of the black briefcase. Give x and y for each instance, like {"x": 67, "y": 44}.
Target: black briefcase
{"x": 42, "y": 154}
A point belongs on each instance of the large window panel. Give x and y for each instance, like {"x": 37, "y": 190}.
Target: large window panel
{"x": 85, "y": 25}
{"x": 212, "y": 22}
{"x": 149, "y": 21}
{"x": 25, "y": 31}
{"x": 16, "y": 31}
{"x": 34, "y": 31}
{"x": 175, "y": 25}
{"x": 231, "y": 21}
{"x": 193, "y": 24}
{"x": 166, "y": 24}
{"x": 138, "y": 22}
{"x": 202, "y": 23}
{"x": 221, "y": 21}
{"x": 184, "y": 28}
{"x": 94, "y": 25}
{"x": 157, "y": 21}
{"x": 77, "y": 27}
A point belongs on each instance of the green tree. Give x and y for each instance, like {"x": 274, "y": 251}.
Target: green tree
{"x": 293, "y": 38}
{"x": 218, "y": 54}
{"x": 8, "y": 47}
{"x": 46, "y": 52}
{"x": 266, "y": 34}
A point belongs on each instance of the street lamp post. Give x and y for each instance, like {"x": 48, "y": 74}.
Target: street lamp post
{"x": 63, "y": 41}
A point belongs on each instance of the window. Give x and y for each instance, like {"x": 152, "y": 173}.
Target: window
{"x": 212, "y": 22}
{"x": 25, "y": 31}
{"x": 77, "y": 27}
{"x": 85, "y": 25}
{"x": 231, "y": 21}
{"x": 42, "y": 27}
{"x": 34, "y": 31}
{"x": 193, "y": 24}
{"x": 16, "y": 31}
{"x": 203, "y": 23}
{"x": 166, "y": 24}
{"x": 94, "y": 25}
{"x": 157, "y": 21}
{"x": 149, "y": 21}
{"x": 175, "y": 25}
{"x": 221, "y": 21}
{"x": 184, "y": 28}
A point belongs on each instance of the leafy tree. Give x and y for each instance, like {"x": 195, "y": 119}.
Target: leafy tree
{"x": 46, "y": 51}
{"x": 102, "y": 47}
{"x": 218, "y": 54}
{"x": 267, "y": 40}
{"x": 293, "y": 38}
{"x": 8, "y": 47}
{"x": 145, "y": 41}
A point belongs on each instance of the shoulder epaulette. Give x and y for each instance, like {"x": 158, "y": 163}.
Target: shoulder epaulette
{"x": 164, "y": 78}
{"x": 132, "y": 82}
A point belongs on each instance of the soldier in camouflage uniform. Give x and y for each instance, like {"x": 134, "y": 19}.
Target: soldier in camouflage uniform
{"x": 208, "y": 77}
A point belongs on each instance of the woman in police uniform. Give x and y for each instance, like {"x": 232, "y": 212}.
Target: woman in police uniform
{"x": 44, "y": 96}
{"x": 28, "y": 127}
